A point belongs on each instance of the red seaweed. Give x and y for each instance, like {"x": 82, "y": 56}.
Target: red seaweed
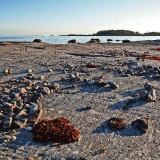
{"x": 55, "y": 130}
{"x": 150, "y": 57}
{"x": 90, "y": 65}
{"x": 117, "y": 123}
{"x": 157, "y": 49}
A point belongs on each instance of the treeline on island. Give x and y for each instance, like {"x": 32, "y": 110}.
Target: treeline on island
{"x": 118, "y": 33}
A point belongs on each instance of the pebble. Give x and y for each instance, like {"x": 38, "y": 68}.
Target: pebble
{"x": 113, "y": 85}
{"x": 143, "y": 95}
{"x": 90, "y": 82}
{"x": 152, "y": 95}
{"x": 148, "y": 86}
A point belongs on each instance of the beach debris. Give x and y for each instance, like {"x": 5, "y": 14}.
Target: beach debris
{"x": 142, "y": 124}
{"x": 72, "y": 41}
{"x": 90, "y": 65}
{"x": 113, "y": 85}
{"x": 117, "y": 123}
{"x": 56, "y": 130}
{"x": 37, "y": 40}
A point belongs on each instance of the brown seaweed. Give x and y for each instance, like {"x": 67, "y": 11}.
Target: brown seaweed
{"x": 116, "y": 123}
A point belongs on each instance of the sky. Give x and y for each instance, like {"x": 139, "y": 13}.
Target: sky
{"x": 57, "y": 17}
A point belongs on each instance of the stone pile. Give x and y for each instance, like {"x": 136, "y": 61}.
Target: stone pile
{"x": 20, "y": 100}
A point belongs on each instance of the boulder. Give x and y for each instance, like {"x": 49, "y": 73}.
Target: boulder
{"x": 95, "y": 39}
{"x": 72, "y": 41}
{"x": 37, "y": 40}
{"x": 109, "y": 40}
{"x": 126, "y": 41}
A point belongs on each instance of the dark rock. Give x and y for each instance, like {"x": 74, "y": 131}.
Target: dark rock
{"x": 143, "y": 95}
{"x": 72, "y": 41}
{"x": 109, "y": 40}
{"x": 113, "y": 85}
{"x": 95, "y": 39}
{"x": 142, "y": 124}
{"x": 37, "y": 40}
{"x": 44, "y": 90}
{"x": 148, "y": 86}
{"x": 36, "y": 98}
{"x": 126, "y": 41}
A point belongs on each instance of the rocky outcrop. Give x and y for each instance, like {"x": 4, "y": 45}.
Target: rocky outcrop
{"x": 72, "y": 41}
{"x": 37, "y": 40}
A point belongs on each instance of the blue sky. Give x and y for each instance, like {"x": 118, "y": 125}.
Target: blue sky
{"x": 54, "y": 17}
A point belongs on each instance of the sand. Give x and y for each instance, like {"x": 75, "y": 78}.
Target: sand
{"x": 98, "y": 141}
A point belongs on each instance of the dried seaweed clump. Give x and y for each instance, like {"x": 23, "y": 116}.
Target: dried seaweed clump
{"x": 150, "y": 57}
{"x": 117, "y": 123}
{"x": 56, "y": 130}
{"x": 90, "y": 65}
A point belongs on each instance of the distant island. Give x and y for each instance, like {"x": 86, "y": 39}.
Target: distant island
{"x": 117, "y": 33}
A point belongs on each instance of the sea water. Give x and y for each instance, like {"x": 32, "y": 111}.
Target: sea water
{"x": 80, "y": 39}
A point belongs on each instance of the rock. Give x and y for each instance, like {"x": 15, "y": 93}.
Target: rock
{"x": 44, "y": 90}
{"x": 148, "y": 86}
{"x": 72, "y": 41}
{"x": 54, "y": 86}
{"x": 113, "y": 85}
{"x": 23, "y": 90}
{"x": 90, "y": 82}
{"x": 143, "y": 95}
{"x": 126, "y": 41}
{"x": 7, "y": 123}
{"x": 13, "y": 138}
{"x": 36, "y": 98}
{"x": 85, "y": 80}
{"x": 72, "y": 76}
{"x": 10, "y": 71}
{"x": 30, "y": 70}
{"x": 92, "y": 41}
{"x": 33, "y": 108}
{"x": 21, "y": 114}
{"x": 37, "y": 40}
{"x": 20, "y": 123}
{"x": 109, "y": 40}
{"x": 142, "y": 124}
{"x": 6, "y": 71}
{"x": 41, "y": 77}
{"x": 50, "y": 70}
{"x": 95, "y": 39}
{"x": 63, "y": 79}
{"x": 152, "y": 95}
{"x": 30, "y": 76}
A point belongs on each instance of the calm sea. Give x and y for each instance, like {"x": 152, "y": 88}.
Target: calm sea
{"x": 80, "y": 39}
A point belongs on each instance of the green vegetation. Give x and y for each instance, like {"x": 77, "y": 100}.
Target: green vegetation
{"x": 117, "y": 33}
{"x": 124, "y": 33}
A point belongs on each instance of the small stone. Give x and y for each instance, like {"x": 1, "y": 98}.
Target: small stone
{"x": 143, "y": 95}
{"x": 13, "y": 138}
{"x": 13, "y": 131}
{"x": 148, "y": 86}
{"x": 55, "y": 86}
{"x": 23, "y": 90}
{"x": 152, "y": 95}
{"x": 7, "y": 122}
{"x": 85, "y": 80}
{"x": 42, "y": 77}
{"x": 28, "y": 128}
{"x": 142, "y": 124}
{"x": 30, "y": 70}
{"x": 44, "y": 90}
{"x": 91, "y": 82}
{"x": 113, "y": 85}
{"x": 33, "y": 108}
{"x": 63, "y": 79}
{"x": 10, "y": 71}
{"x": 50, "y": 70}
{"x": 72, "y": 76}
{"x": 20, "y": 123}
{"x": 6, "y": 71}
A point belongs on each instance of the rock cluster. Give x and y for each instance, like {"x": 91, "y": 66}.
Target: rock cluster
{"x": 20, "y": 100}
